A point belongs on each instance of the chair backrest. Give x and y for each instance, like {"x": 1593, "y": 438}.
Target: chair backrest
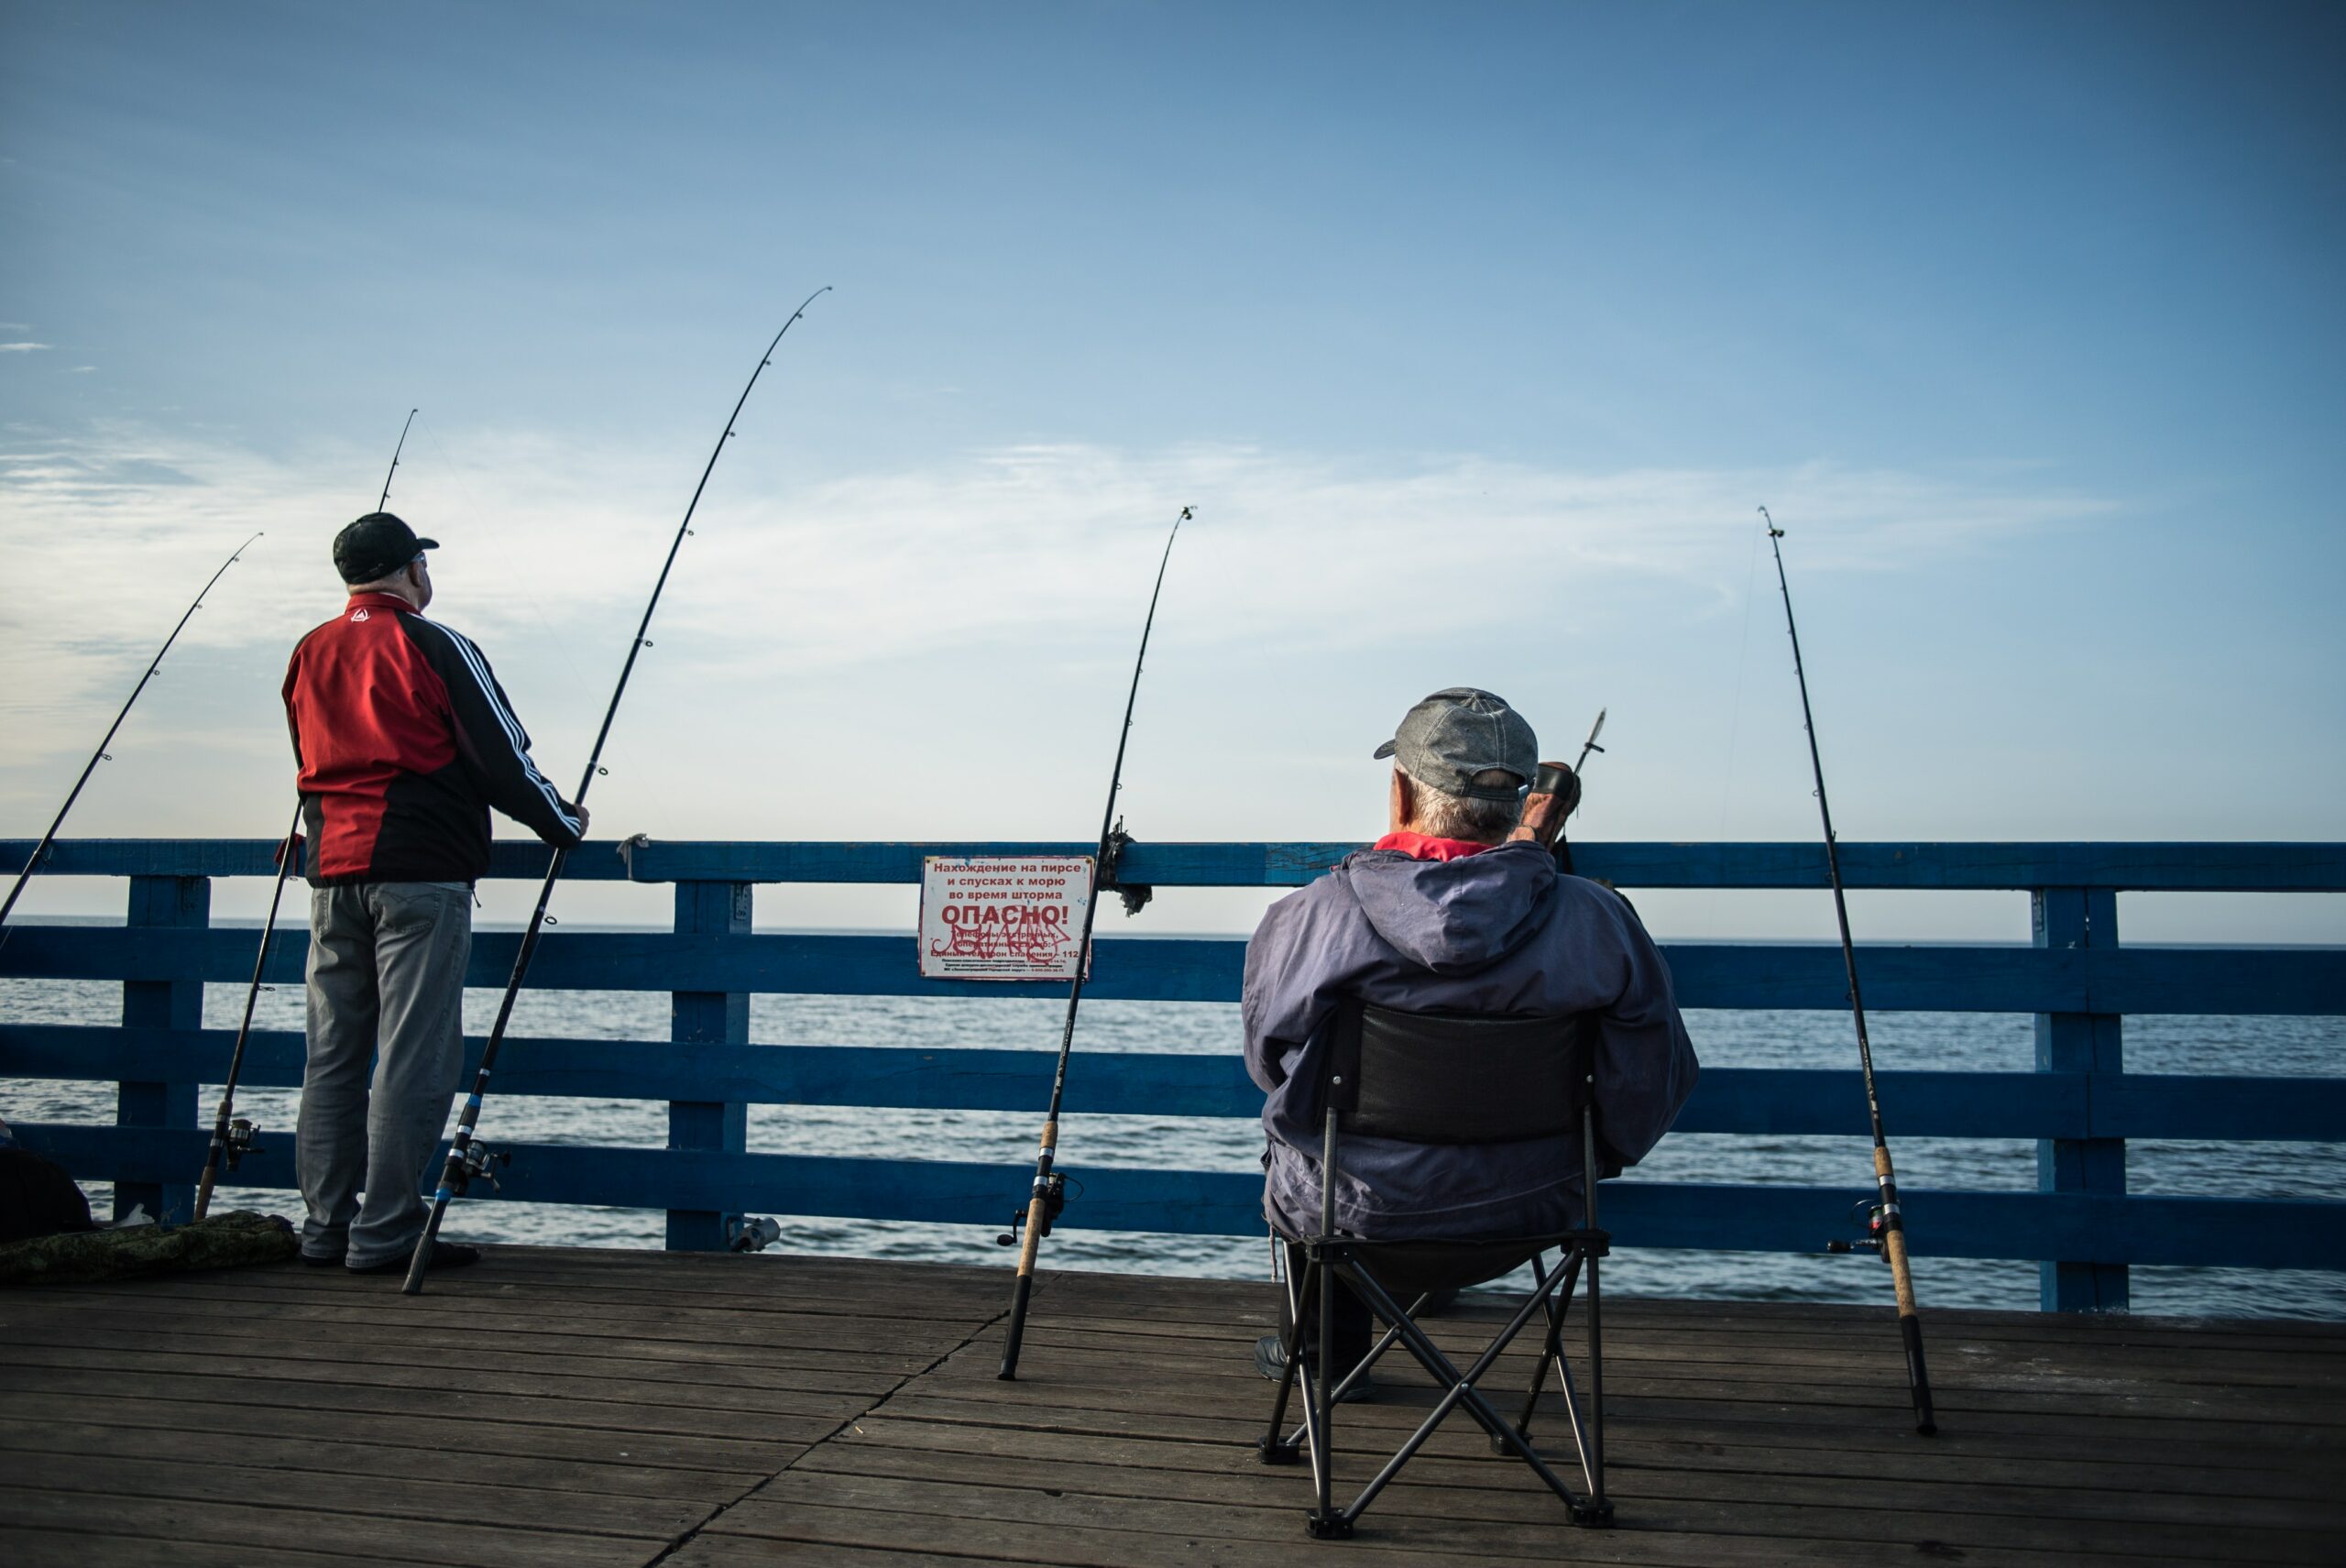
{"x": 1455, "y": 1078}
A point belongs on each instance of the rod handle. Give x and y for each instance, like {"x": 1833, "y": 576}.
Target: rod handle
{"x": 1018, "y": 1297}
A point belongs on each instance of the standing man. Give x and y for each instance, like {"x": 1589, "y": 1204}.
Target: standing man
{"x": 1458, "y": 908}
{"x": 403, "y": 739}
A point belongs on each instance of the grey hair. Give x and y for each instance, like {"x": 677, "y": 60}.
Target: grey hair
{"x": 1444, "y": 816}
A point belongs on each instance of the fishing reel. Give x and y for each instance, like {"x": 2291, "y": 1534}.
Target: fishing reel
{"x": 754, "y": 1233}
{"x": 1561, "y": 781}
{"x": 478, "y": 1162}
{"x": 239, "y": 1142}
{"x": 1054, "y": 1202}
{"x": 1877, "y": 1224}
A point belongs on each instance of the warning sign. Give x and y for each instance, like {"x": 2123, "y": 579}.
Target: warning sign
{"x": 1002, "y": 919}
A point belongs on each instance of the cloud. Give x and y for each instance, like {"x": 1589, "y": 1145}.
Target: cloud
{"x": 1042, "y": 551}
{"x": 24, "y": 348}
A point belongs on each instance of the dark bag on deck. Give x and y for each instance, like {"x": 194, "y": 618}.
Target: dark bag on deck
{"x": 38, "y": 1197}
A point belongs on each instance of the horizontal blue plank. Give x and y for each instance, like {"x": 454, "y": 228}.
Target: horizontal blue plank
{"x": 2211, "y": 1231}
{"x": 597, "y": 860}
{"x": 2171, "y": 867}
{"x": 1772, "y": 1101}
{"x": 1792, "y": 975}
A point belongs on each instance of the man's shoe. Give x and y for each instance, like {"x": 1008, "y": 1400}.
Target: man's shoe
{"x": 445, "y": 1255}
{"x": 1270, "y": 1360}
{"x": 322, "y": 1259}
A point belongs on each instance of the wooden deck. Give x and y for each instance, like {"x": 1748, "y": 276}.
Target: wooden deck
{"x": 575, "y": 1407}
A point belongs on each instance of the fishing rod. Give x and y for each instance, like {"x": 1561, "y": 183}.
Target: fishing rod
{"x": 232, "y": 1135}
{"x": 385, "y": 498}
{"x": 467, "y": 1159}
{"x": 40, "y": 851}
{"x": 1050, "y": 1186}
{"x": 1888, "y": 1237}
{"x": 1555, "y": 779}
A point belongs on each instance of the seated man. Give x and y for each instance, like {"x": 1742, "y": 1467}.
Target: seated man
{"x": 1459, "y": 908}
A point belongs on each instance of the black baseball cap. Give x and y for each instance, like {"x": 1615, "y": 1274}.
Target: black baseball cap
{"x": 375, "y": 546}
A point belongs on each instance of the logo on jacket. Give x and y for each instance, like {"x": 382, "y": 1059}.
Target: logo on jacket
{"x": 357, "y": 615}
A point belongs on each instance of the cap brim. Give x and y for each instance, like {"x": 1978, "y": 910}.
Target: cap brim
{"x": 427, "y": 544}
{"x": 1384, "y": 751}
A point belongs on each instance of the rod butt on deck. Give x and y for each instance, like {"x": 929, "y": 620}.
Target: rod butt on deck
{"x": 1017, "y": 1332}
{"x": 420, "y": 1263}
{"x": 1910, "y": 1329}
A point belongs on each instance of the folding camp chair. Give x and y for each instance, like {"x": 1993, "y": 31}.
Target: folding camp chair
{"x": 1432, "y": 1077}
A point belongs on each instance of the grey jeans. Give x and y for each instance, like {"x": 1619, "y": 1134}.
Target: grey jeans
{"x": 387, "y": 982}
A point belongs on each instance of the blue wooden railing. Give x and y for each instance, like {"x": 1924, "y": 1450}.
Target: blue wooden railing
{"x": 2080, "y": 1105}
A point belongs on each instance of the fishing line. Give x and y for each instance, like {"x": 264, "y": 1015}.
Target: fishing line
{"x": 1888, "y": 1225}
{"x": 1734, "y": 717}
{"x": 40, "y": 851}
{"x": 467, "y": 1159}
{"x": 1049, "y": 1196}
{"x": 474, "y": 514}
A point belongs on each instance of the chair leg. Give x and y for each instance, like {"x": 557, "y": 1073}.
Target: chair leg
{"x": 1459, "y": 1391}
{"x": 1324, "y": 1521}
{"x": 1598, "y": 1509}
{"x": 1551, "y": 1344}
{"x": 1273, "y": 1449}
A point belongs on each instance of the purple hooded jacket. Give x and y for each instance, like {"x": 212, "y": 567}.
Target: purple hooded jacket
{"x": 1503, "y": 932}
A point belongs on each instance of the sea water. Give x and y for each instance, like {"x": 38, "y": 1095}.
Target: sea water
{"x": 1943, "y": 1041}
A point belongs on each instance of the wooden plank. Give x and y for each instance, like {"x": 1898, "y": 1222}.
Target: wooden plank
{"x": 743, "y": 1550}
{"x": 1953, "y": 978}
{"x": 1695, "y": 1349}
{"x": 358, "y": 1449}
{"x": 2075, "y": 1459}
{"x": 827, "y": 1527}
{"x": 621, "y": 1311}
{"x": 570, "y": 1510}
{"x": 360, "y": 1537}
{"x": 1755, "y": 1217}
{"x": 1873, "y": 1423}
{"x": 34, "y": 1548}
{"x": 396, "y": 1437}
{"x": 849, "y": 1370}
{"x": 2254, "y": 1357}
{"x": 712, "y": 1397}
{"x": 1058, "y": 1354}
{"x": 1728, "y": 1100}
{"x": 1507, "y": 1494}
{"x": 453, "y": 1403}
{"x": 2234, "y": 867}
{"x": 464, "y": 1357}
{"x": 1129, "y": 1393}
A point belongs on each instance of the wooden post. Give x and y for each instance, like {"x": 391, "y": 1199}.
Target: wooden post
{"x": 711, "y": 1017}
{"x": 2079, "y": 1042}
{"x": 167, "y": 902}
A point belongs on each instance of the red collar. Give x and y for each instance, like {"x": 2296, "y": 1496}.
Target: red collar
{"x": 380, "y": 601}
{"x": 1420, "y": 847}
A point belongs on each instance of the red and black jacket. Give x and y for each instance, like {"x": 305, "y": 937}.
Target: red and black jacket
{"x": 404, "y": 740}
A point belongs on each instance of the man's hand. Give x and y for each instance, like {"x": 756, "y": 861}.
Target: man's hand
{"x": 583, "y": 820}
{"x": 1554, "y": 792}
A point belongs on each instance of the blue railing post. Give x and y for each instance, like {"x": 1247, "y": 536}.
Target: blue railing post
{"x": 2079, "y": 1042}
{"x": 708, "y": 1017}
{"x": 168, "y": 902}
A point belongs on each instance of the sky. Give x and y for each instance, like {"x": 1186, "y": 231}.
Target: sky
{"x": 1475, "y": 335}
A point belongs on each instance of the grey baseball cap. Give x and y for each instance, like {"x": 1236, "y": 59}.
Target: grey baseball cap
{"x": 1456, "y": 733}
